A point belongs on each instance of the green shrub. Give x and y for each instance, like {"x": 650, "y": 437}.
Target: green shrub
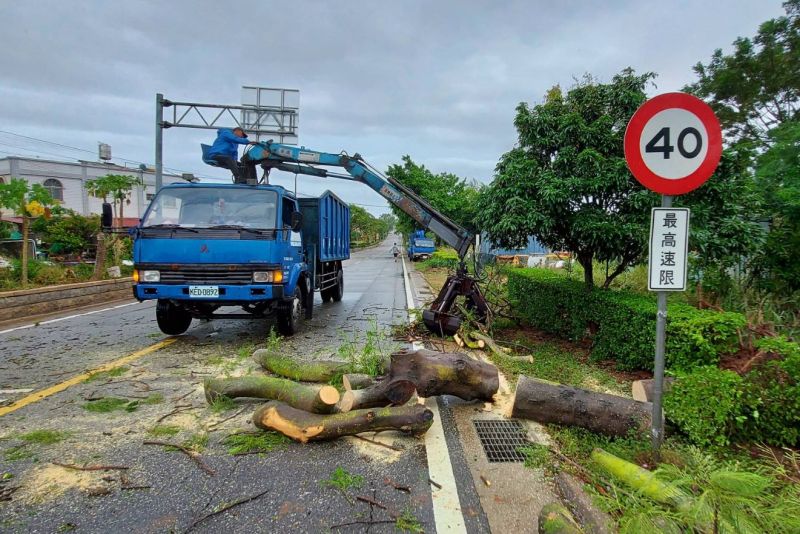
{"x": 772, "y": 395}
{"x": 442, "y": 258}
{"x": 706, "y": 404}
{"x": 620, "y": 324}
{"x": 49, "y": 274}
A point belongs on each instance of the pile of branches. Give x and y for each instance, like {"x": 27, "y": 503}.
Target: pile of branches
{"x": 304, "y": 407}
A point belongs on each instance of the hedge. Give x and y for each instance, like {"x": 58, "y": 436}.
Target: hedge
{"x": 620, "y": 324}
{"x": 446, "y": 258}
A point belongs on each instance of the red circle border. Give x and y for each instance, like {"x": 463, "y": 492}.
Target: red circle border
{"x": 633, "y": 132}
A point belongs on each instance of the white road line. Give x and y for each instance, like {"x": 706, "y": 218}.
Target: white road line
{"x": 68, "y": 317}
{"x": 447, "y": 512}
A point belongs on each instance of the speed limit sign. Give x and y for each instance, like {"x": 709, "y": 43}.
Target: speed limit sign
{"x": 673, "y": 143}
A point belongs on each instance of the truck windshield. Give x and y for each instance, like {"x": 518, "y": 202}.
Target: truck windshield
{"x": 423, "y": 242}
{"x": 207, "y": 207}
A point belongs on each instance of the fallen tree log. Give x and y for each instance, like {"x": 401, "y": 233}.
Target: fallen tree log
{"x": 353, "y": 381}
{"x": 305, "y": 371}
{"x": 304, "y": 427}
{"x": 554, "y": 518}
{"x": 444, "y": 373}
{"x": 317, "y": 399}
{"x": 491, "y": 344}
{"x": 548, "y": 402}
{"x": 382, "y": 393}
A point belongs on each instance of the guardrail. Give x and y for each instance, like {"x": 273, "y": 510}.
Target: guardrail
{"x": 29, "y": 302}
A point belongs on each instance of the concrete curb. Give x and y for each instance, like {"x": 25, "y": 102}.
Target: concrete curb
{"x": 45, "y": 300}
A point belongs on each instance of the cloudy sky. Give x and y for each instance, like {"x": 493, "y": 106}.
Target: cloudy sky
{"x": 437, "y": 80}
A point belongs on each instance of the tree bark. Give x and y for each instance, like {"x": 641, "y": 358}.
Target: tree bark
{"x": 548, "y": 402}
{"x": 442, "y": 373}
{"x": 100, "y": 257}
{"x": 352, "y": 381}
{"x": 382, "y": 393}
{"x": 310, "y": 371}
{"x": 588, "y": 270}
{"x": 309, "y": 398}
{"x": 642, "y": 480}
{"x": 304, "y": 427}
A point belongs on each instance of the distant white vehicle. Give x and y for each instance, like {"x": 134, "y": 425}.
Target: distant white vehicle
{"x": 4, "y": 263}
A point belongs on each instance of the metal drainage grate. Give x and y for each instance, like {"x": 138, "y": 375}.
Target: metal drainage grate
{"x": 501, "y": 438}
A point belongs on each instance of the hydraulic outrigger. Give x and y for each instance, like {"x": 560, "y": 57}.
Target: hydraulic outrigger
{"x": 439, "y": 318}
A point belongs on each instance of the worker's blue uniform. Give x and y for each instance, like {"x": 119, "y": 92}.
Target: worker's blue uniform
{"x": 225, "y": 150}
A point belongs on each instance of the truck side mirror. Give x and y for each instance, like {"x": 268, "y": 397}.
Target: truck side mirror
{"x": 106, "y": 220}
{"x": 297, "y": 221}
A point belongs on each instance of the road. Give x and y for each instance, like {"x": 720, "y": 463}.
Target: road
{"x": 173, "y": 492}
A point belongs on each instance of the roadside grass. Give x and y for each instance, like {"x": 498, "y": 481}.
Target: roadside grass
{"x": 254, "y": 442}
{"x": 342, "y": 480}
{"x": 33, "y": 438}
{"x": 222, "y": 404}
{"x": 111, "y": 404}
{"x": 555, "y": 361}
{"x": 162, "y": 431}
{"x": 111, "y": 373}
{"x": 408, "y": 522}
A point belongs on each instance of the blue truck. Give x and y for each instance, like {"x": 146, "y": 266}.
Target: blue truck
{"x": 420, "y": 247}
{"x": 256, "y": 246}
{"x": 200, "y": 247}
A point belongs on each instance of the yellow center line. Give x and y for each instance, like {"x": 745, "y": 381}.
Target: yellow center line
{"x": 43, "y": 393}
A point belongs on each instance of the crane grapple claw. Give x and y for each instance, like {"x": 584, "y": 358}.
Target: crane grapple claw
{"x": 439, "y": 318}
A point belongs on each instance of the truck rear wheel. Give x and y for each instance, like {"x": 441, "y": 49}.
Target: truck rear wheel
{"x": 337, "y": 291}
{"x": 172, "y": 319}
{"x": 289, "y": 316}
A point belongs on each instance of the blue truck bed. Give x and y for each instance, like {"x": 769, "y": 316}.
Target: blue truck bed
{"x": 326, "y": 227}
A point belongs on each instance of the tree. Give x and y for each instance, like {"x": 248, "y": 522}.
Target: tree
{"x": 779, "y": 178}
{"x": 755, "y": 88}
{"x": 365, "y": 228}
{"x": 116, "y": 187}
{"x": 446, "y": 192}
{"x": 390, "y": 221}
{"x": 29, "y": 201}
{"x": 567, "y": 183}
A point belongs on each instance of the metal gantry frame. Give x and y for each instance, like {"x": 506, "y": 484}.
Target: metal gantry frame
{"x": 279, "y": 122}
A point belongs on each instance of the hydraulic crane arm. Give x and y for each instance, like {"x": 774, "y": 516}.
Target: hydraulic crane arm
{"x": 303, "y": 161}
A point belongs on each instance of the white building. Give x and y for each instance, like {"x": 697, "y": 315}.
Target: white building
{"x": 66, "y": 182}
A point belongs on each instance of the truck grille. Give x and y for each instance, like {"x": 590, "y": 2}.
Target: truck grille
{"x": 207, "y": 274}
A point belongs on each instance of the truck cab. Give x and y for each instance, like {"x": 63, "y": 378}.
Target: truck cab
{"x": 201, "y": 247}
{"x": 420, "y": 247}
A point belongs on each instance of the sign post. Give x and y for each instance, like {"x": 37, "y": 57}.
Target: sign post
{"x": 673, "y": 144}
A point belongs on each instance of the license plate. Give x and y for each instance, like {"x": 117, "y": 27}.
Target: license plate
{"x": 207, "y": 292}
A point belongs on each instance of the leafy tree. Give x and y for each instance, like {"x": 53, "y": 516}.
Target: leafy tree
{"x": 446, "y": 192}
{"x": 68, "y": 232}
{"x": 755, "y": 88}
{"x": 366, "y": 228}
{"x": 30, "y": 201}
{"x": 567, "y": 184}
{"x": 115, "y": 187}
{"x": 390, "y": 221}
{"x": 779, "y": 177}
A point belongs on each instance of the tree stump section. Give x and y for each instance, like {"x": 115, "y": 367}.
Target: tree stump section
{"x": 548, "y": 402}
{"x": 382, "y": 393}
{"x": 352, "y": 381}
{"x": 318, "y": 399}
{"x": 304, "y": 427}
{"x": 305, "y": 371}
{"x": 444, "y": 373}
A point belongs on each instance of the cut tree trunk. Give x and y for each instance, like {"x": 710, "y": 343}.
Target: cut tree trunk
{"x": 548, "y": 402}
{"x": 353, "y": 381}
{"x": 308, "y": 371}
{"x": 317, "y": 399}
{"x": 382, "y": 393}
{"x": 100, "y": 257}
{"x": 304, "y": 427}
{"x": 444, "y": 373}
{"x": 489, "y": 342}
{"x": 554, "y": 518}
{"x": 642, "y": 390}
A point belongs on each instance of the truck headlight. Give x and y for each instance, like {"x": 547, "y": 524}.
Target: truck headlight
{"x": 267, "y": 277}
{"x": 150, "y": 276}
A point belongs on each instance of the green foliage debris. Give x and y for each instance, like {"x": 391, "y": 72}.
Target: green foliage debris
{"x": 250, "y": 443}
{"x": 164, "y": 430}
{"x": 111, "y": 404}
{"x": 342, "y": 480}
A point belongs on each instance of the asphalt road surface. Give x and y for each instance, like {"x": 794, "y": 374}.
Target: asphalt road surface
{"x": 164, "y": 490}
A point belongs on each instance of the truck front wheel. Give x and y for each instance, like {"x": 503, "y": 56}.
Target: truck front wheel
{"x": 289, "y": 316}
{"x": 173, "y": 320}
